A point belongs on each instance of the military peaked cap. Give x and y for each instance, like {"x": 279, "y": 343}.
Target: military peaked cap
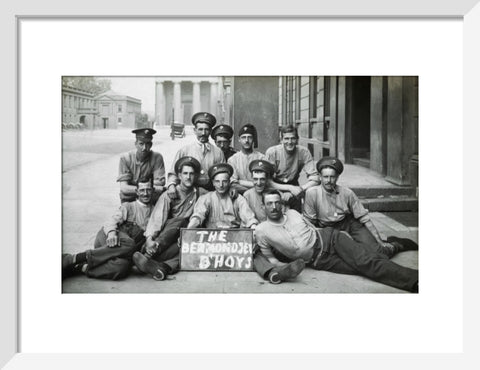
{"x": 204, "y": 117}
{"x": 220, "y": 168}
{"x": 225, "y": 130}
{"x": 262, "y": 165}
{"x": 145, "y": 134}
{"x": 189, "y": 161}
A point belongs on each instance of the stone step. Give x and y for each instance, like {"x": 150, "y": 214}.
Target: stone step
{"x": 385, "y": 191}
{"x": 364, "y": 162}
{"x": 391, "y": 204}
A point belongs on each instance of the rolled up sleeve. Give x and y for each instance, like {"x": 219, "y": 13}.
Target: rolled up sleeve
{"x": 124, "y": 172}
{"x": 357, "y": 209}
{"x": 158, "y": 170}
{"x": 118, "y": 218}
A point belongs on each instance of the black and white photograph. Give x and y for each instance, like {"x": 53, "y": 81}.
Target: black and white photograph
{"x": 240, "y": 184}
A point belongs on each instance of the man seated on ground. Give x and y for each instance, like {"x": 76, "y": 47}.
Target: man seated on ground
{"x": 222, "y": 135}
{"x": 242, "y": 178}
{"x": 141, "y": 163}
{"x": 289, "y": 237}
{"x": 217, "y": 209}
{"x": 289, "y": 160}
{"x": 262, "y": 172}
{"x": 116, "y": 241}
{"x": 160, "y": 256}
{"x": 329, "y": 204}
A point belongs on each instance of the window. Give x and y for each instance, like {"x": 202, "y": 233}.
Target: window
{"x": 119, "y": 108}
{"x": 119, "y": 120}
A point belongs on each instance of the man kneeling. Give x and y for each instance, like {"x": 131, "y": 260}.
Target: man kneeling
{"x": 289, "y": 237}
{"x": 116, "y": 241}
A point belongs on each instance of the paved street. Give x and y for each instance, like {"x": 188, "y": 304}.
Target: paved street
{"x": 90, "y": 196}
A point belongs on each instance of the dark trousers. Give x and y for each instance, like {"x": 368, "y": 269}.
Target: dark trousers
{"x": 168, "y": 250}
{"x": 358, "y": 232}
{"x": 262, "y": 265}
{"x": 346, "y": 256}
{"x": 114, "y": 263}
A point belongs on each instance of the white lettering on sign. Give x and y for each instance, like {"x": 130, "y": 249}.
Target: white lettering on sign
{"x": 204, "y": 263}
{"x": 217, "y": 249}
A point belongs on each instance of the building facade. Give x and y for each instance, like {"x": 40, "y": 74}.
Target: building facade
{"x": 116, "y": 110}
{"x": 367, "y": 121}
{"x": 78, "y": 106}
{"x": 107, "y": 110}
{"x": 178, "y": 98}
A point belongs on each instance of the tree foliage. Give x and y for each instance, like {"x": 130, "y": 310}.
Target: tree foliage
{"x": 93, "y": 85}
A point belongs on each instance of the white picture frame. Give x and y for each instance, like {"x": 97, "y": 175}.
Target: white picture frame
{"x": 9, "y": 340}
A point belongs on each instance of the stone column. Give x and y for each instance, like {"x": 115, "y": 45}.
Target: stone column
{"x": 160, "y": 103}
{"x": 196, "y": 106}
{"x": 213, "y": 98}
{"x": 177, "y": 102}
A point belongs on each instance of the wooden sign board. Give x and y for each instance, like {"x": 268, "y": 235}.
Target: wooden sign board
{"x": 216, "y": 250}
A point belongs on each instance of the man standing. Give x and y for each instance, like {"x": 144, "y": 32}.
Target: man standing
{"x": 204, "y": 152}
{"x": 289, "y": 159}
{"x": 141, "y": 163}
{"x": 161, "y": 253}
{"x": 242, "y": 178}
{"x": 116, "y": 241}
{"x": 289, "y": 237}
{"x": 217, "y": 209}
{"x": 222, "y": 135}
{"x": 336, "y": 206}
{"x": 262, "y": 172}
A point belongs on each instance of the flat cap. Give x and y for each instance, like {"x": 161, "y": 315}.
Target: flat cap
{"x": 225, "y": 130}
{"x": 262, "y": 165}
{"x": 204, "y": 117}
{"x": 145, "y": 134}
{"x": 220, "y": 168}
{"x": 331, "y": 162}
{"x": 189, "y": 161}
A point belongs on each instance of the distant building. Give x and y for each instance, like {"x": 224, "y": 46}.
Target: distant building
{"x": 78, "y": 106}
{"x": 178, "y": 98}
{"x": 106, "y": 110}
{"x": 117, "y": 110}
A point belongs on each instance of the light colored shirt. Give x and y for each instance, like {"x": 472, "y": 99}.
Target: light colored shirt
{"x": 131, "y": 170}
{"x": 255, "y": 203}
{"x": 219, "y": 212}
{"x": 294, "y": 238}
{"x": 326, "y": 209}
{"x": 207, "y": 154}
{"x": 166, "y": 208}
{"x": 133, "y": 212}
{"x": 240, "y": 162}
{"x": 288, "y": 166}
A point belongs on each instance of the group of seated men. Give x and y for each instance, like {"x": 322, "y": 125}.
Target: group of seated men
{"x": 318, "y": 224}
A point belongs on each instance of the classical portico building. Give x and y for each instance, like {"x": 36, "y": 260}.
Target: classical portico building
{"x": 178, "y": 98}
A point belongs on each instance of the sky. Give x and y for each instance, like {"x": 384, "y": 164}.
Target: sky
{"x": 142, "y": 88}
